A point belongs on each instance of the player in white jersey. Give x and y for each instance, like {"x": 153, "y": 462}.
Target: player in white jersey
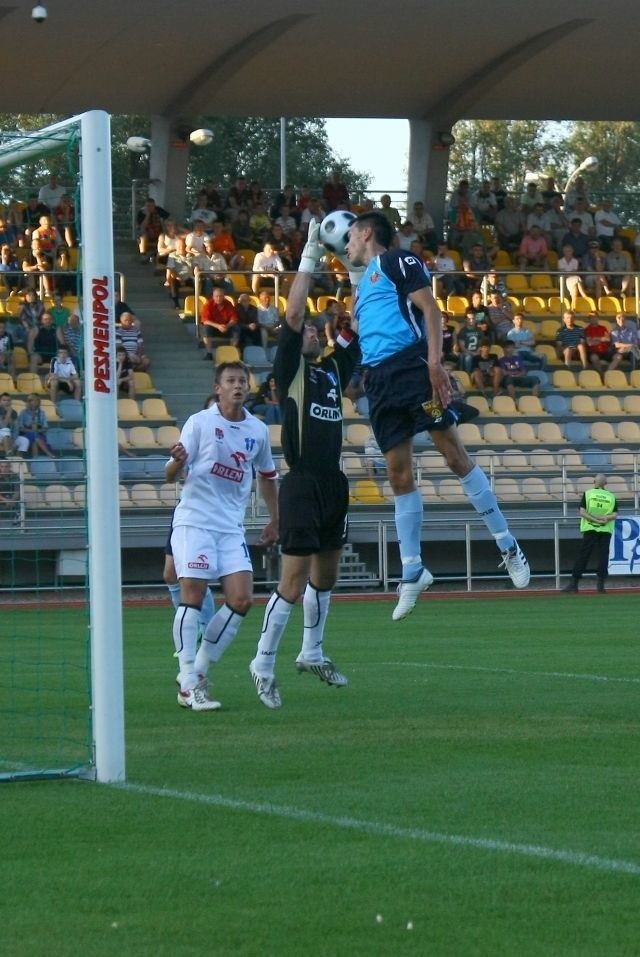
{"x": 220, "y": 447}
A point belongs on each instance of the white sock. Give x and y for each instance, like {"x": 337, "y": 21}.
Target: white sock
{"x": 315, "y": 606}
{"x": 185, "y": 638}
{"x": 220, "y": 632}
{"x": 276, "y": 616}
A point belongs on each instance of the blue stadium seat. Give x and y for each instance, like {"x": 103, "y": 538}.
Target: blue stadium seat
{"x": 71, "y": 469}
{"x": 44, "y": 469}
{"x": 61, "y": 440}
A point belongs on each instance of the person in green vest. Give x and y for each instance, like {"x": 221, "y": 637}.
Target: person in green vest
{"x": 598, "y": 513}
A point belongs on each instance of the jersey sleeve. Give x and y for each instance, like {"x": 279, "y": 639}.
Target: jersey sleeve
{"x": 407, "y": 272}
{"x": 288, "y": 358}
{"x": 189, "y": 437}
{"x": 263, "y": 462}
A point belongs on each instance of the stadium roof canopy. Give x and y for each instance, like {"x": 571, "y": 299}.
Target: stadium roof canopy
{"x": 420, "y": 59}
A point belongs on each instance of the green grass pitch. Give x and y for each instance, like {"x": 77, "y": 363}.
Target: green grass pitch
{"x": 473, "y": 791}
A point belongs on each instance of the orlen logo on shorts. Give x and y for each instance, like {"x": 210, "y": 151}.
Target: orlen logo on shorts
{"x": 324, "y": 412}
{"x": 200, "y": 563}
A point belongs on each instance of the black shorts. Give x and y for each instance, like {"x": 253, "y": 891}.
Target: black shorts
{"x": 313, "y": 512}
{"x": 396, "y": 390}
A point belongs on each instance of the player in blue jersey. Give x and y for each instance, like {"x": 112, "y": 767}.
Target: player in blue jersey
{"x": 400, "y": 329}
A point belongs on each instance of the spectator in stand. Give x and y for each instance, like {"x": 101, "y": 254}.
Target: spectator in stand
{"x": 485, "y": 203}
{"x": 424, "y": 225}
{"x": 530, "y": 197}
{"x": 125, "y": 376}
{"x": 212, "y": 269}
{"x": 31, "y": 214}
{"x": 10, "y": 441}
{"x": 9, "y": 490}
{"x": 313, "y": 210}
{"x": 223, "y": 242}
{"x": 607, "y": 223}
{"x": 577, "y": 191}
{"x": 129, "y": 335}
{"x": 509, "y": 225}
{"x": 29, "y": 317}
{"x": 59, "y": 311}
{"x": 540, "y": 217}
{"x": 218, "y": 317}
{"x": 500, "y": 317}
{"x": 48, "y": 236}
{"x": 286, "y": 197}
{"x": 332, "y": 316}
{"x": 476, "y": 265}
{"x": 266, "y": 266}
{"x": 469, "y": 339}
{"x": 558, "y": 222}
{"x": 241, "y": 231}
{"x": 37, "y": 268}
{"x": 179, "y": 271}
{"x": 202, "y": 212}
{"x": 8, "y": 233}
{"x": 495, "y": 283}
{"x": 407, "y": 235}
{"x": 498, "y": 191}
{"x": 484, "y": 370}
{"x": 258, "y": 195}
{"x": 524, "y": 341}
{"x": 51, "y": 193}
{"x": 238, "y": 197}
{"x": 464, "y": 231}
{"x": 575, "y": 238}
{"x": 593, "y": 268}
{"x": 32, "y": 426}
{"x": 450, "y": 350}
{"x": 462, "y": 193}
{"x": 194, "y": 241}
{"x": 618, "y": 266}
{"x": 481, "y": 311}
{"x": 64, "y": 217}
{"x": 121, "y": 306}
{"x": 248, "y": 326}
{"x": 581, "y": 211}
{"x": 533, "y": 251}
{"x": 63, "y": 376}
{"x": 10, "y": 272}
{"x": 268, "y": 318}
{"x": 260, "y": 226}
{"x": 266, "y": 403}
{"x": 570, "y": 341}
{"x": 335, "y": 193}
{"x": 167, "y": 241}
{"x": 43, "y": 343}
{"x": 514, "y": 374}
{"x": 214, "y": 199}
{"x": 625, "y": 343}
{"x": 389, "y": 211}
{"x": 444, "y": 266}
{"x": 286, "y": 221}
{"x": 71, "y": 337}
{"x": 150, "y": 222}
{"x": 598, "y": 342}
{"x": 7, "y": 362}
{"x": 550, "y": 193}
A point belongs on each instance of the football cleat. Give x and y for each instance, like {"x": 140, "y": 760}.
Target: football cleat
{"x": 324, "y": 670}
{"x": 267, "y": 689}
{"x": 408, "y": 594}
{"x": 517, "y": 566}
{"x": 198, "y": 698}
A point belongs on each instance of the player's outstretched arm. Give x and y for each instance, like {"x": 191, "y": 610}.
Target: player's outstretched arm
{"x": 268, "y": 489}
{"x": 303, "y": 281}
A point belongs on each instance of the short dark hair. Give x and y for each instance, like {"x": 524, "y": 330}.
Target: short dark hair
{"x": 383, "y": 231}
{"x": 236, "y": 364}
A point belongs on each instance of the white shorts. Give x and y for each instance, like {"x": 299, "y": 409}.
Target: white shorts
{"x": 200, "y": 553}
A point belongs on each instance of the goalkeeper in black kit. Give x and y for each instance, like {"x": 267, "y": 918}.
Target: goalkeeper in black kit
{"x": 314, "y": 494}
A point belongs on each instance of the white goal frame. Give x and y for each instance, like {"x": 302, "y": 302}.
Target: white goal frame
{"x": 93, "y": 130}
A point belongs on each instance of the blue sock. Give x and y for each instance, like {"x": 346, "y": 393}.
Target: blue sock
{"x": 408, "y": 514}
{"x": 479, "y": 492}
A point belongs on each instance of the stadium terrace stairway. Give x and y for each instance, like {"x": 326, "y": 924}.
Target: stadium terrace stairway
{"x": 177, "y": 369}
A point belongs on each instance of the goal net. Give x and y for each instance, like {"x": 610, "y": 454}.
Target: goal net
{"x": 61, "y": 686}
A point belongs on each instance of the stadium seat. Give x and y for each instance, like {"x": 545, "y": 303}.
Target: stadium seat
{"x": 226, "y": 354}
{"x": 77, "y": 436}
{"x": 155, "y": 409}
{"x": 577, "y": 433}
{"x": 143, "y": 383}
{"x": 58, "y": 496}
{"x": 534, "y": 489}
{"x": 507, "y": 490}
{"x": 503, "y": 260}
{"x": 621, "y": 487}
{"x": 131, "y": 469}
{"x": 144, "y": 495}
{"x": 609, "y": 305}
{"x": 6, "y": 383}
{"x": 571, "y": 460}
{"x": 634, "y": 379}
{"x": 480, "y": 403}
{"x": 20, "y": 358}
{"x": 590, "y": 380}
{"x": 50, "y": 410}
{"x": 128, "y": 411}
{"x": 542, "y": 282}
{"x": 79, "y": 493}
{"x": 609, "y": 405}
{"x": 71, "y": 469}
{"x": 583, "y": 405}
{"x": 457, "y": 305}
{"x": 240, "y": 282}
{"x": 531, "y": 405}
{"x": 584, "y": 305}
{"x": 470, "y": 434}
{"x": 629, "y": 306}
{"x": 427, "y": 489}
{"x": 255, "y": 356}
{"x": 562, "y": 489}
{"x": 514, "y": 460}
{"x": 71, "y": 410}
{"x": 564, "y": 379}
{"x": 616, "y": 379}
{"x": 631, "y": 405}
{"x": 44, "y": 469}
{"x": 534, "y": 305}
{"x": 167, "y": 435}
{"x": 189, "y": 309}
{"x": 248, "y": 255}
{"x": 601, "y": 432}
{"x": 558, "y": 305}
{"x": 367, "y": 492}
{"x": 629, "y": 431}
{"x": 32, "y": 496}
{"x": 495, "y": 433}
{"x": 357, "y": 434}
{"x": 168, "y": 494}
{"x": 352, "y": 465}
{"x": 450, "y": 490}
{"x": 542, "y": 460}
{"x": 549, "y": 353}
{"x": 124, "y": 497}
{"x": 548, "y": 329}
{"x": 362, "y": 406}
{"x": 28, "y": 382}
{"x": 431, "y": 462}
{"x": 555, "y": 404}
{"x": 142, "y": 437}
{"x": 517, "y": 283}
{"x": 463, "y": 379}
{"x": 275, "y": 435}
{"x": 61, "y": 440}
{"x": 504, "y": 405}
{"x": 549, "y": 433}
{"x": 523, "y": 433}
{"x": 154, "y": 466}
{"x": 348, "y": 411}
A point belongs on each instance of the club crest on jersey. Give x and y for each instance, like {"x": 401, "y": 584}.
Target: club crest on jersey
{"x": 219, "y": 434}
{"x": 249, "y": 444}
{"x": 374, "y": 277}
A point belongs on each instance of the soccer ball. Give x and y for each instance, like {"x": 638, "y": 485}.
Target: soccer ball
{"x": 334, "y": 230}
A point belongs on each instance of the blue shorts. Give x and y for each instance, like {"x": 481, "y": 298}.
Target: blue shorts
{"x": 397, "y": 390}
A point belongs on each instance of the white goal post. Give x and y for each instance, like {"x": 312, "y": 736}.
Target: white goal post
{"x": 92, "y": 129}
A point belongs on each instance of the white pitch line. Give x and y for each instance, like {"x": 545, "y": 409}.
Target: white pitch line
{"x": 575, "y": 858}
{"x": 510, "y": 671}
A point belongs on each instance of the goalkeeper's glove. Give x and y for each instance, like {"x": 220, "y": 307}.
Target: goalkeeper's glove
{"x": 313, "y": 251}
